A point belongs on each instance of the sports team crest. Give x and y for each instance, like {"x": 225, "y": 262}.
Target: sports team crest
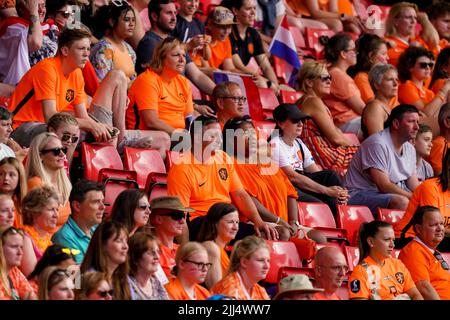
{"x": 223, "y": 174}
{"x": 70, "y": 94}
{"x": 400, "y": 277}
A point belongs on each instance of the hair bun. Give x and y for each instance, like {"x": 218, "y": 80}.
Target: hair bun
{"x": 323, "y": 40}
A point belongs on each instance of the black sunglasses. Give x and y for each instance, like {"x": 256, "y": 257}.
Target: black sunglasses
{"x": 56, "y": 151}
{"x": 441, "y": 259}
{"x": 178, "y": 215}
{"x": 143, "y": 206}
{"x": 324, "y": 77}
{"x": 65, "y": 14}
{"x": 104, "y": 293}
{"x": 424, "y": 65}
{"x": 66, "y": 137}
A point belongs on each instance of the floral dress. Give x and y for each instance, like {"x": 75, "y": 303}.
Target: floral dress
{"x": 49, "y": 46}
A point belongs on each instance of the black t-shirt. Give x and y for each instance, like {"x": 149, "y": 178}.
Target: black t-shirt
{"x": 195, "y": 27}
{"x": 251, "y": 46}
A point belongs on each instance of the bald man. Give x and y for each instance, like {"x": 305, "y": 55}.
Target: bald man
{"x": 330, "y": 271}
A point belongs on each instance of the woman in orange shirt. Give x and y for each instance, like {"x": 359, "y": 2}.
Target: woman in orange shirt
{"x": 414, "y": 67}
{"x": 219, "y": 227}
{"x": 191, "y": 267}
{"x": 378, "y": 276}
{"x": 371, "y": 50}
{"x": 249, "y": 263}
{"x": 45, "y": 167}
{"x": 441, "y": 72}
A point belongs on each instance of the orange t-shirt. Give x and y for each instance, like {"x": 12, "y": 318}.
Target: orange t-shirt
{"x": 224, "y": 261}
{"x": 410, "y": 94}
{"x": 63, "y": 211}
{"x": 231, "y": 286}
{"x": 200, "y": 185}
{"x": 393, "y": 279}
{"x": 19, "y": 282}
{"x": 321, "y": 296}
{"x": 437, "y": 153}
{"x": 172, "y": 100}
{"x": 219, "y": 52}
{"x": 437, "y": 85}
{"x": 176, "y": 291}
{"x": 344, "y": 6}
{"x": 428, "y": 193}
{"x": 272, "y": 190}
{"x": 167, "y": 259}
{"x": 395, "y": 52}
{"x": 47, "y": 81}
{"x": 423, "y": 265}
{"x": 343, "y": 87}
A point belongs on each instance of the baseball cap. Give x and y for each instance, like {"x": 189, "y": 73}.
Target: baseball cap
{"x": 288, "y": 111}
{"x": 221, "y": 16}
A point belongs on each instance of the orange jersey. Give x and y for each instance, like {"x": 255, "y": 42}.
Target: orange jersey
{"x": 385, "y": 282}
{"x": 437, "y": 85}
{"x": 19, "y": 283}
{"x": 200, "y": 185}
{"x": 400, "y": 46}
{"x": 410, "y": 94}
{"x": 177, "y": 292}
{"x": 224, "y": 260}
{"x": 423, "y": 265}
{"x": 219, "y": 53}
{"x": 322, "y": 296}
{"x": 437, "y": 153}
{"x": 272, "y": 190}
{"x": 428, "y": 193}
{"x": 167, "y": 259}
{"x": 231, "y": 286}
{"x": 172, "y": 100}
{"x": 46, "y": 81}
{"x": 344, "y": 6}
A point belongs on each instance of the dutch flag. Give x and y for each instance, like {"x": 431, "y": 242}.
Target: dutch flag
{"x": 283, "y": 46}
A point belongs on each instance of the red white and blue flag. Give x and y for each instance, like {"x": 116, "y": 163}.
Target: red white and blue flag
{"x": 283, "y": 46}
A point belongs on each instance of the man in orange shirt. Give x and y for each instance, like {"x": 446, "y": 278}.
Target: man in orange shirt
{"x": 439, "y": 15}
{"x": 440, "y": 144}
{"x": 168, "y": 218}
{"x": 428, "y": 268}
{"x": 330, "y": 268}
{"x": 207, "y": 176}
{"x": 228, "y": 101}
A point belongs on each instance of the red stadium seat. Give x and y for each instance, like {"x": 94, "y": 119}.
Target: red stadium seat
{"x": 390, "y": 215}
{"x": 113, "y": 186}
{"x": 319, "y": 216}
{"x": 298, "y": 37}
{"x": 264, "y": 127}
{"x": 352, "y": 255}
{"x": 206, "y": 6}
{"x": 144, "y": 162}
{"x": 310, "y": 264}
{"x": 395, "y": 253}
{"x": 157, "y": 190}
{"x": 269, "y": 101}
{"x": 290, "y": 96}
{"x": 284, "y": 272}
{"x": 98, "y": 158}
{"x": 352, "y": 138}
{"x": 282, "y": 254}
{"x": 312, "y": 40}
{"x": 280, "y": 69}
{"x": 350, "y": 219}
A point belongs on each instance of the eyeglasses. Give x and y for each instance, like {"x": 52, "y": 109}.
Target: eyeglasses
{"x": 56, "y": 151}
{"x": 424, "y": 65}
{"x": 66, "y": 137}
{"x": 337, "y": 268}
{"x": 200, "y": 265}
{"x": 325, "y": 77}
{"x": 70, "y": 251}
{"x": 441, "y": 259}
{"x": 144, "y": 206}
{"x": 104, "y": 293}
{"x": 238, "y": 100}
{"x": 65, "y": 14}
{"x": 177, "y": 216}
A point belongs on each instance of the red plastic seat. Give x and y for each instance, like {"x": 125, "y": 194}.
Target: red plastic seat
{"x": 390, "y": 215}
{"x": 113, "y": 186}
{"x": 97, "y": 158}
{"x": 395, "y": 253}
{"x": 284, "y": 272}
{"x": 352, "y": 138}
{"x": 312, "y": 39}
{"x": 311, "y": 264}
{"x": 298, "y": 37}
{"x": 352, "y": 256}
{"x": 319, "y": 216}
{"x": 144, "y": 162}
{"x": 290, "y": 96}
{"x": 264, "y": 128}
{"x": 282, "y": 254}
{"x": 269, "y": 101}
{"x": 207, "y": 5}
{"x": 350, "y": 219}
{"x": 281, "y": 70}
{"x": 157, "y": 190}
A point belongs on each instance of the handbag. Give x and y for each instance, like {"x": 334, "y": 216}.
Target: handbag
{"x": 306, "y": 247}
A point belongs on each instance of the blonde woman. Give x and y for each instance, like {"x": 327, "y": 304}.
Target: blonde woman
{"x": 55, "y": 284}
{"x": 191, "y": 268}
{"x": 66, "y": 127}
{"x": 45, "y": 166}
{"x": 249, "y": 263}
{"x": 95, "y": 286}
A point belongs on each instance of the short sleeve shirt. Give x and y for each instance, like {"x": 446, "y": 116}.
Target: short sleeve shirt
{"x": 424, "y": 170}
{"x": 250, "y": 46}
{"x": 291, "y": 156}
{"x": 231, "y": 286}
{"x": 219, "y": 53}
{"x": 20, "y": 284}
{"x": 378, "y": 152}
{"x": 409, "y": 93}
{"x": 186, "y": 30}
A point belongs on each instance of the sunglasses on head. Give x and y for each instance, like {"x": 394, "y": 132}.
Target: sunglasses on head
{"x": 65, "y": 14}
{"x": 105, "y": 293}
{"x": 69, "y": 251}
{"x": 424, "y": 65}
{"x": 66, "y": 137}
{"x": 56, "y": 151}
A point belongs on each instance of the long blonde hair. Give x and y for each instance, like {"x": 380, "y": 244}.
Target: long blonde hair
{"x": 244, "y": 249}
{"x": 35, "y": 167}
{"x": 395, "y": 10}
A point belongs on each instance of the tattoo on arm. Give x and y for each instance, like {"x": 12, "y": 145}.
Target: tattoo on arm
{"x": 33, "y": 20}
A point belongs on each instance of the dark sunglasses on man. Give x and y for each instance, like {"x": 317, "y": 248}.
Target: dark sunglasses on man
{"x": 67, "y": 137}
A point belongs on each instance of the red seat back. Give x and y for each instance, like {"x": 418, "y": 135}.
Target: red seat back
{"x": 144, "y": 162}
{"x": 312, "y": 39}
{"x": 298, "y": 37}
{"x": 156, "y": 191}
{"x": 290, "y": 96}
{"x": 269, "y": 101}
{"x": 352, "y": 255}
{"x": 112, "y": 187}
{"x": 315, "y": 214}
{"x": 264, "y": 128}
{"x": 350, "y": 218}
{"x": 282, "y": 254}
{"x": 99, "y": 156}
{"x": 390, "y": 215}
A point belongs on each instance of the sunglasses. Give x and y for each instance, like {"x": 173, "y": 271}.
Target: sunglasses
{"x": 66, "y": 137}
{"x": 441, "y": 259}
{"x": 424, "y": 65}
{"x": 177, "y": 216}
{"x": 65, "y": 14}
{"x": 56, "y": 151}
{"x": 144, "y": 206}
{"x": 105, "y": 293}
{"x": 325, "y": 78}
